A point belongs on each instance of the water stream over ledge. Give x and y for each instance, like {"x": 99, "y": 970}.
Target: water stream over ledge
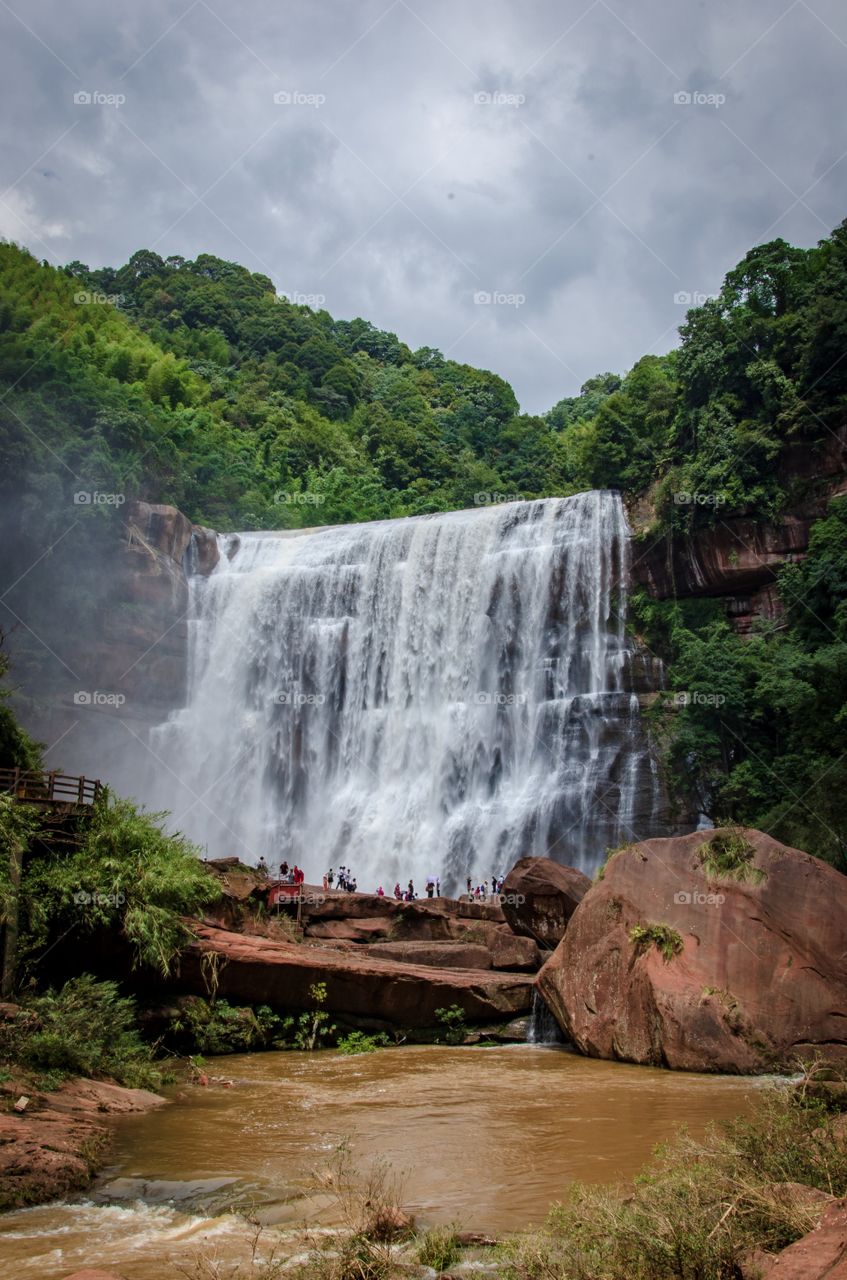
{"x": 485, "y": 1137}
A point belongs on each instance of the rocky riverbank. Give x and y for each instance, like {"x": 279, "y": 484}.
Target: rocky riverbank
{"x": 52, "y": 1142}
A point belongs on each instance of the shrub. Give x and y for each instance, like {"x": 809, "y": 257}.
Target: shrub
{"x": 219, "y": 1027}
{"x": 360, "y": 1042}
{"x": 729, "y": 854}
{"x": 438, "y": 1248}
{"x": 662, "y": 936}
{"x": 86, "y": 1029}
{"x": 127, "y": 874}
{"x": 453, "y": 1021}
{"x": 310, "y": 1028}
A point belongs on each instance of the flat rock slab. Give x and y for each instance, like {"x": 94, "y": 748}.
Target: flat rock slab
{"x": 260, "y": 971}
{"x": 441, "y": 955}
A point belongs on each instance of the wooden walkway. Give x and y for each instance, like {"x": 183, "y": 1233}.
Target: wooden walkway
{"x": 51, "y": 790}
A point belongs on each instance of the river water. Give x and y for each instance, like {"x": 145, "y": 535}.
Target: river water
{"x": 488, "y": 1138}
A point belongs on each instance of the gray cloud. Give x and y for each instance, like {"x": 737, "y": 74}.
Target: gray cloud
{"x": 577, "y": 182}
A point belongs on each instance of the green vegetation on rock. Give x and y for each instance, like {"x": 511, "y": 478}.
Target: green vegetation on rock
{"x": 665, "y": 939}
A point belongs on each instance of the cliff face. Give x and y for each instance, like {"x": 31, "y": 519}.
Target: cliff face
{"x": 109, "y": 689}
{"x": 738, "y": 558}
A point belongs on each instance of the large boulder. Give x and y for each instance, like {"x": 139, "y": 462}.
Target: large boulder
{"x": 256, "y": 970}
{"x": 714, "y": 951}
{"x": 820, "y": 1255}
{"x": 539, "y": 897}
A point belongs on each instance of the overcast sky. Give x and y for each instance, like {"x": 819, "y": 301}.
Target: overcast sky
{"x": 421, "y": 154}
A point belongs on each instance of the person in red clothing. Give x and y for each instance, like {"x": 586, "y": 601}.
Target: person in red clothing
{"x": 299, "y": 875}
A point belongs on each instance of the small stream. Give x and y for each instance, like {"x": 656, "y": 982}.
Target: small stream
{"x": 488, "y": 1138}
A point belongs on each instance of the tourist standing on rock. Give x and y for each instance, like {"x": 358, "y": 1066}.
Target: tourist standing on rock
{"x": 430, "y": 887}
{"x": 262, "y": 867}
{"x": 398, "y": 892}
{"x": 470, "y": 886}
{"x": 380, "y": 893}
{"x": 326, "y": 880}
{"x": 437, "y": 887}
{"x": 283, "y": 871}
{"x": 330, "y": 876}
{"x": 411, "y": 897}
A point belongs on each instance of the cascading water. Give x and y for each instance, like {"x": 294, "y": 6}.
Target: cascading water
{"x": 543, "y": 1027}
{"x": 430, "y": 696}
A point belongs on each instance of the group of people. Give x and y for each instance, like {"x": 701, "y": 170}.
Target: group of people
{"x": 481, "y": 890}
{"x": 287, "y": 875}
{"x": 433, "y": 890}
{"x": 345, "y": 880}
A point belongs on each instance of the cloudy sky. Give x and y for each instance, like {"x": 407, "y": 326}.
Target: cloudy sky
{"x": 534, "y": 188}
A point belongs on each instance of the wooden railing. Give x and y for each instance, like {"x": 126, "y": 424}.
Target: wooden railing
{"x": 31, "y": 786}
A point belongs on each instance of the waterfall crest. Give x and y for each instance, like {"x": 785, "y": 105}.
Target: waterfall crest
{"x": 430, "y": 696}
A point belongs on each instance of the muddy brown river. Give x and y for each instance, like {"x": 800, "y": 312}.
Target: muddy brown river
{"x": 488, "y": 1138}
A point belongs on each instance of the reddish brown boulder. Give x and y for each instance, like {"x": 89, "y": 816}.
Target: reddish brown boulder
{"x": 730, "y": 973}
{"x": 442, "y": 955}
{"x": 820, "y": 1255}
{"x": 540, "y": 896}
{"x": 257, "y": 970}
{"x": 511, "y": 951}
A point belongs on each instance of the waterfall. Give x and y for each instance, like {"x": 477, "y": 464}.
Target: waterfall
{"x": 429, "y": 696}
{"x": 543, "y": 1027}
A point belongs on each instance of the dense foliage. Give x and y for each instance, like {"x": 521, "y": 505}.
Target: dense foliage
{"x": 195, "y": 383}
{"x": 759, "y": 375}
{"x": 87, "y": 1028}
{"x": 758, "y": 730}
{"x": 122, "y": 872}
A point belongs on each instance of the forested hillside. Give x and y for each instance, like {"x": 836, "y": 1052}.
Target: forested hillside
{"x": 195, "y": 383}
